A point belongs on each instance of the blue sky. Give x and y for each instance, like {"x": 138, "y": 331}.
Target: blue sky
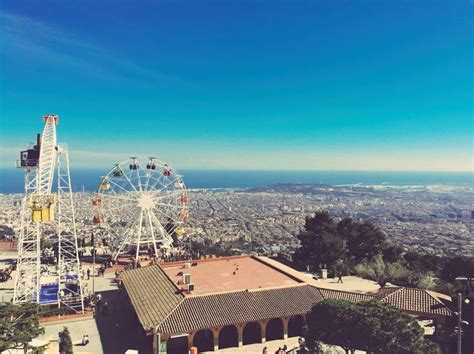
{"x": 317, "y": 85}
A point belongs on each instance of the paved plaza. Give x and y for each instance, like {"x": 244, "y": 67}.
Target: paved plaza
{"x": 113, "y": 332}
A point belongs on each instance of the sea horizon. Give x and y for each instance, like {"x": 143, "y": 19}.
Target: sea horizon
{"x": 11, "y": 180}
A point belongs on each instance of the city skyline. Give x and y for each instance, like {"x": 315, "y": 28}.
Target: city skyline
{"x": 319, "y": 86}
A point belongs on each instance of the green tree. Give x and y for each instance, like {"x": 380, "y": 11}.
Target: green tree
{"x": 422, "y": 262}
{"x": 459, "y": 267}
{"x": 371, "y": 326}
{"x": 383, "y": 272}
{"x": 18, "y": 325}
{"x": 65, "y": 342}
{"x": 392, "y": 253}
{"x": 320, "y": 243}
{"x": 364, "y": 241}
{"x": 329, "y": 322}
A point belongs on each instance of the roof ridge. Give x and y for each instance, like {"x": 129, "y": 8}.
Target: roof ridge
{"x": 172, "y": 311}
{"x": 343, "y": 291}
{"x": 247, "y": 290}
{"x": 400, "y": 288}
{"x": 169, "y": 279}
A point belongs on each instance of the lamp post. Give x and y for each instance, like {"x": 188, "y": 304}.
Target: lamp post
{"x": 460, "y": 322}
{"x": 93, "y": 264}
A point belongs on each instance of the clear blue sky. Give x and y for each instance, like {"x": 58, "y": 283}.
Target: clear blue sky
{"x": 329, "y": 85}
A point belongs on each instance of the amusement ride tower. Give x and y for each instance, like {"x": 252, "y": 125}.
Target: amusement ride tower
{"x": 48, "y": 216}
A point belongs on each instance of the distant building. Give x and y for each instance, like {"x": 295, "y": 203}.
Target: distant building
{"x": 234, "y": 301}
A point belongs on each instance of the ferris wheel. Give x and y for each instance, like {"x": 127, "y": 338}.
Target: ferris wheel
{"x": 141, "y": 204}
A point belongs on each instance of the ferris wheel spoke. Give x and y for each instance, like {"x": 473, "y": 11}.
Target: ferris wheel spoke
{"x": 117, "y": 196}
{"x": 171, "y": 193}
{"x": 148, "y": 176}
{"x": 150, "y": 222}
{"x": 121, "y": 206}
{"x": 160, "y": 179}
{"x": 130, "y": 182}
{"x": 123, "y": 241}
{"x": 165, "y": 187}
{"x": 167, "y": 216}
{"x": 159, "y": 225}
{"x": 118, "y": 185}
{"x": 157, "y": 180}
{"x": 139, "y": 178}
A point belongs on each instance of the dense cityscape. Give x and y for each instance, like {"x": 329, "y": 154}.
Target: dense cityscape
{"x": 429, "y": 219}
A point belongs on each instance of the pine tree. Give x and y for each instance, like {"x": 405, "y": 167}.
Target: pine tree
{"x": 65, "y": 342}
{"x": 18, "y": 325}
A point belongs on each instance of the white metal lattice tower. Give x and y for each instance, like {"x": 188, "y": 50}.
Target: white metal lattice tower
{"x": 49, "y": 216}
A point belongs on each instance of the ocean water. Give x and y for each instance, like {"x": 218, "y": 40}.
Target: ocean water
{"x": 11, "y": 180}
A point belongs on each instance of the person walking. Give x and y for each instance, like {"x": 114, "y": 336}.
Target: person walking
{"x": 339, "y": 278}
{"x": 88, "y": 273}
{"x": 85, "y": 339}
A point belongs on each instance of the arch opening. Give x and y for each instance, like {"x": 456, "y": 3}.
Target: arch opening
{"x": 274, "y": 329}
{"x": 204, "y": 340}
{"x": 252, "y": 333}
{"x": 228, "y": 337}
{"x": 296, "y": 326}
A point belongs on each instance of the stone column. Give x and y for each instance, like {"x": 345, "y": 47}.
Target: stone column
{"x": 285, "y": 326}
{"x": 190, "y": 339}
{"x": 240, "y": 331}
{"x": 215, "y": 332}
{"x": 263, "y": 326}
{"x": 155, "y": 341}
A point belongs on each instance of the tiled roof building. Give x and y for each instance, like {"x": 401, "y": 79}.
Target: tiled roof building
{"x": 225, "y": 302}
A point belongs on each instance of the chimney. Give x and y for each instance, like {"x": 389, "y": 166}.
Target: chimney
{"x": 187, "y": 279}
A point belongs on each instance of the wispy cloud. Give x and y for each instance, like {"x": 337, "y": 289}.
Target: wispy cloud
{"x": 64, "y": 49}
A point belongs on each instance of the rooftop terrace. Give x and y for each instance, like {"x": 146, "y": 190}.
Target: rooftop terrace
{"x": 229, "y": 274}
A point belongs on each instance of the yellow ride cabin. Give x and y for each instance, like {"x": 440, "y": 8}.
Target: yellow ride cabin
{"x": 42, "y": 207}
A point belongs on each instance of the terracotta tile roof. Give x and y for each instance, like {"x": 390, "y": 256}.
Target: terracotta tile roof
{"x": 197, "y": 312}
{"x": 158, "y": 301}
{"x": 383, "y": 292}
{"x": 345, "y": 295}
{"x": 152, "y": 293}
{"x": 417, "y": 301}
{"x": 422, "y": 302}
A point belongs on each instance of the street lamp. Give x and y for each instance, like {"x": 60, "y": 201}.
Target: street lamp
{"x": 460, "y": 321}
{"x": 93, "y": 264}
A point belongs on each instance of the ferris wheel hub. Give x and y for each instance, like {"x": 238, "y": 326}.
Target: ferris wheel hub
{"x": 146, "y": 201}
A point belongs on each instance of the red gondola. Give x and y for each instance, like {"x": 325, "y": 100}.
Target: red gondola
{"x": 97, "y": 220}
{"x": 96, "y": 202}
{"x": 184, "y": 199}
